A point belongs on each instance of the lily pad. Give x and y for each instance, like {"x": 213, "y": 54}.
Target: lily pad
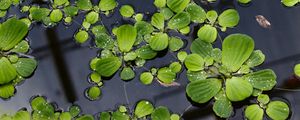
{"x": 159, "y": 41}
{"x": 262, "y": 80}
{"x": 238, "y": 89}
{"x": 25, "y": 66}
{"x": 82, "y": 36}
{"x": 278, "y": 110}
{"x": 180, "y": 20}
{"x": 194, "y": 62}
{"x": 229, "y": 18}
{"x": 166, "y": 75}
{"x": 126, "y": 36}
{"x": 7, "y": 71}
{"x": 254, "y": 112}
{"x": 106, "y": 67}
{"x": 207, "y": 33}
{"x": 143, "y": 108}
{"x": 177, "y": 5}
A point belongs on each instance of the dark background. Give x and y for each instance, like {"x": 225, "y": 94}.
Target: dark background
{"x": 63, "y": 66}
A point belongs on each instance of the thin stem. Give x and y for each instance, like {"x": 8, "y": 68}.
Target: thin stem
{"x": 219, "y": 36}
{"x": 290, "y": 90}
{"x": 186, "y": 109}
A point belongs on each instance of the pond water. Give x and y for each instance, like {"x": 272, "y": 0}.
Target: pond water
{"x": 63, "y": 66}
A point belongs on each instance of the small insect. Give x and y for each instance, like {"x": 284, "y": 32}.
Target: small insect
{"x": 262, "y": 21}
{"x": 168, "y": 85}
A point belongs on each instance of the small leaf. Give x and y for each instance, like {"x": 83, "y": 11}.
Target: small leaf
{"x": 181, "y": 56}
{"x": 92, "y": 17}
{"x": 263, "y": 99}
{"x": 175, "y": 43}
{"x": 22, "y": 47}
{"x": 175, "y": 117}
{"x": 167, "y": 13}
{"x": 126, "y": 11}
{"x": 145, "y": 52}
{"x": 175, "y": 67}
{"x": 22, "y": 115}
{"x": 254, "y": 112}
{"x": 146, "y": 78}
{"x": 143, "y": 28}
{"x": 197, "y": 13}
{"x": 65, "y": 116}
{"x": 37, "y": 101}
{"x": 180, "y": 20}
{"x": 74, "y": 110}
{"x": 84, "y": 4}
{"x": 70, "y": 11}
{"x": 7, "y": 91}
{"x": 157, "y": 20}
{"x": 160, "y": 3}
{"x": 278, "y": 110}
{"x": 166, "y": 75}
{"x": 177, "y": 5}
{"x": 106, "y": 5}
{"x": 106, "y": 67}
{"x": 289, "y": 3}
{"x": 229, "y": 18}
{"x": 104, "y": 41}
{"x": 82, "y": 36}
{"x": 126, "y": 36}
{"x": 5, "y": 4}
{"x": 238, "y": 89}
{"x": 127, "y": 74}
{"x": 194, "y": 62}
{"x": 143, "y": 108}
{"x": 244, "y": 1}
{"x": 212, "y": 16}
{"x": 202, "y": 48}
{"x": 194, "y": 76}
{"x": 130, "y": 56}
{"x": 255, "y": 59}
{"x": 93, "y": 93}
{"x": 7, "y": 71}
{"x": 223, "y": 108}
{"x": 159, "y": 41}
{"x": 297, "y": 70}
{"x": 119, "y": 116}
{"x": 38, "y": 14}
{"x": 25, "y": 66}
{"x": 207, "y": 33}
{"x": 105, "y": 116}
{"x": 201, "y": 91}
{"x": 263, "y": 79}
{"x": 160, "y": 113}
{"x": 237, "y": 48}
{"x": 56, "y": 15}
{"x": 60, "y": 2}
{"x": 85, "y": 117}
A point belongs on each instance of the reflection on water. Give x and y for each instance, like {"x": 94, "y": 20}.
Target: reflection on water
{"x": 64, "y": 65}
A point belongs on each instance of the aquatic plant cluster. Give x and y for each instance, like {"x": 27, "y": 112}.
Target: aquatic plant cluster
{"x": 226, "y": 74}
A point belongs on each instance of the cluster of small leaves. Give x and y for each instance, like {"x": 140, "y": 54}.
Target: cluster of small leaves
{"x": 15, "y": 65}
{"x": 290, "y": 3}
{"x": 5, "y": 5}
{"x": 227, "y": 74}
{"x": 239, "y": 1}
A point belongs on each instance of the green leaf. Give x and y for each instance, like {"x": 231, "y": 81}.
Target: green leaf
{"x": 37, "y": 101}
{"x": 104, "y": 41}
{"x": 254, "y": 112}
{"x": 38, "y": 14}
{"x": 175, "y": 67}
{"x": 126, "y": 11}
{"x": 60, "y": 2}
{"x": 289, "y": 3}
{"x": 22, "y": 47}
{"x": 65, "y": 116}
{"x": 175, "y": 43}
{"x": 22, "y": 115}
{"x": 56, "y": 15}
{"x": 244, "y": 1}
{"x": 278, "y": 110}
{"x": 166, "y": 75}
{"x": 143, "y": 28}
{"x": 263, "y": 99}
{"x": 7, "y": 91}
{"x": 106, "y": 67}
{"x": 194, "y": 76}
{"x": 177, "y": 5}
{"x": 93, "y": 93}
{"x": 201, "y": 91}
{"x": 197, "y": 13}
{"x": 160, "y": 113}
{"x": 202, "y": 48}
{"x": 5, "y": 4}
{"x": 146, "y": 78}
{"x": 238, "y": 89}
{"x": 297, "y": 70}
{"x": 229, "y": 18}
{"x": 85, "y": 117}
{"x": 207, "y": 33}
{"x": 237, "y": 48}
{"x": 127, "y": 74}
{"x": 70, "y": 11}
{"x": 167, "y": 13}
{"x": 181, "y": 55}
{"x": 12, "y": 32}
{"x": 119, "y": 116}
{"x": 180, "y": 20}
{"x": 130, "y": 56}
{"x": 160, "y": 3}
{"x": 84, "y": 4}
{"x": 7, "y": 71}
{"x": 74, "y": 110}
{"x": 212, "y": 16}
{"x": 157, "y": 20}
{"x": 194, "y": 62}
{"x": 82, "y": 36}
{"x": 25, "y": 66}
{"x": 105, "y": 116}
{"x": 223, "y": 108}
{"x": 145, "y": 52}
{"x": 255, "y": 59}
{"x": 126, "y": 36}
{"x": 143, "y": 108}
{"x": 159, "y": 41}
{"x": 263, "y": 79}
{"x": 99, "y": 29}
{"x": 106, "y": 5}
{"x": 92, "y": 17}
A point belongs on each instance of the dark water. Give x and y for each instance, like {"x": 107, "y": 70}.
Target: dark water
{"x": 64, "y": 66}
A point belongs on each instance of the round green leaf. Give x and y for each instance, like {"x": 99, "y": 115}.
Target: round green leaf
{"x": 254, "y": 112}
{"x": 167, "y": 13}
{"x": 106, "y": 67}
{"x": 22, "y": 115}
{"x": 126, "y": 36}
{"x": 289, "y": 3}
{"x": 175, "y": 43}
{"x": 60, "y": 2}
{"x": 82, "y": 36}
{"x": 127, "y": 73}
{"x": 5, "y": 4}
{"x": 84, "y": 4}
{"x": 262, "y": 80}
{"x": 166, "y": 75}
{"x": 177, "y": 5}
{"x": 207, "y": 33}
{"x": 255, "y": 59}
{"x": 158, "y": 20}
{"x": 175, "y": 117}
{"x": 237, "y": 48}
{"x": 229, "y": 18}
{"x": 25, "y": 66}
{"x": 263, "y": 99}
{"x": 160, "y": 113}
{"x": 278, "y": 110}
{"x": 119, "y": 116}
{"x": 212, "y": 16}
{"x": 126, "y": 11}
{"x": 238, "y": 89}
{"x": 7, "y": 71}
{"x": 104, "y": 41}
{"x": 146, "y": 78}
{"x": 201, "y": 91}
{"x": 74, "y": 110}
{"x": 143, "y": 108}
{"x": 65, "y": 116}
{"x": 38, "y": 14}
{"x": 180, "y": 20}
{"x": 93, "y": 93}
{"x": 181, "y": 56}
{"x": 244, "y": 1}
{"x": 175, "y": 67}
{"x": 130, "y": 56}
{"x": 143, "y": 28}
{"x": 106, "y": 5}
{"x": 194, "y": 76}
{"x": 145, "y": 52}
{"x": 297, "y": 70}
{"x": 70, "y": 11}
{"x": 197, "y": 13}
{"x": 37, "y": 101}
{"x": 7, "y": 91}
{"x": 194, "y": 62}
{"x": 22, "y": 47}
{"x": 56, "y": 15}
{"x": 160, "y": 3}
{"x": 105, "y": 116}
{"x": 204, "y": 49}
{"x": 223, "y": 108}
{"x": 92, "y": 17}
{"x": 159, "y": 41}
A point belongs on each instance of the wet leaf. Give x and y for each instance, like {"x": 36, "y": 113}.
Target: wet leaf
{"x": 255, "y": 59}
{"x": 126, "y": 36}
{"x": 202, "y": 48}
{"x": 167, "y": 13}
{"x": 263, "y": 99}
{"x": 166, "y": 75}
{"x": 159, "y": 41}
{"x": 127, "y": 73}
{"x": 145, "y": 52}
{"x": 22, "y": 47}
{"x": 238, "y": 89}
{"x": 98, "y": 30}
{"x": 212, "y": 16}
{"x": 104, "y": 41}
{"x": 85, "y": 117}
{"x": 130, "y": 56}
{"x": 289, "y": 3}
{"x": 229, "y": 18}
{"x": 106, "y": 5}
{"x": 143, "y": 28}
{"x": 119, "y": 116}
{"x": 105, "y": 116}
{"x": 7, "y": 71}
{"x": 201, "y": 91}
{"x": 194, "y": 62}
{"x": 70, "y": 11}
{"x": 262, "y": 21}
{"x": 180, "y": 20}
{"x": 65, "y": 116}
{"x": 194, "y": 76}
{"x": 84, "y": 4}
{"x": 177, "y": 5}
{"x": 74, "y": 110}
{"x": 160, "y": 113}
{"x": 93, "y": 93}
{"x": 263, "y": 79}
{"x": 37, "y": 101}
{"x": 223, "y": 108}
{"x": 237, "y": 48}
{"x": 22, "y": 115}
{"x": 254, "y": 112}
{"x": 95, "y": 77}
{"x": 197, "y": 13}
{"x": 157, "y": 20}
{"x": 146, "y": 78}
{"x": 12, "y": 32}
{"x": 38, "y": 14}
{"x": 7, "y": 91}
{"x": 160, "y": 3}
{"x": 207, "y": 33}
{"x": 82, "y": 36}
{"x": 92, "y": 17}
{"x": 181, "y": 56}
{"x": 56, "y": 15}
{"x": 25, "y": 66}
{"x": 126, "y": 11}
{"x": 106, "y": 67}
{"x": 175, "y": 43}
{"x": 175, "y": 67}
{"x": 175, "y": 117}
{"x": 186, "y": 30}
{"x": 5, "y": 4}
{"x": 278, "y": 110}
{"x": 143, "y": 108}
